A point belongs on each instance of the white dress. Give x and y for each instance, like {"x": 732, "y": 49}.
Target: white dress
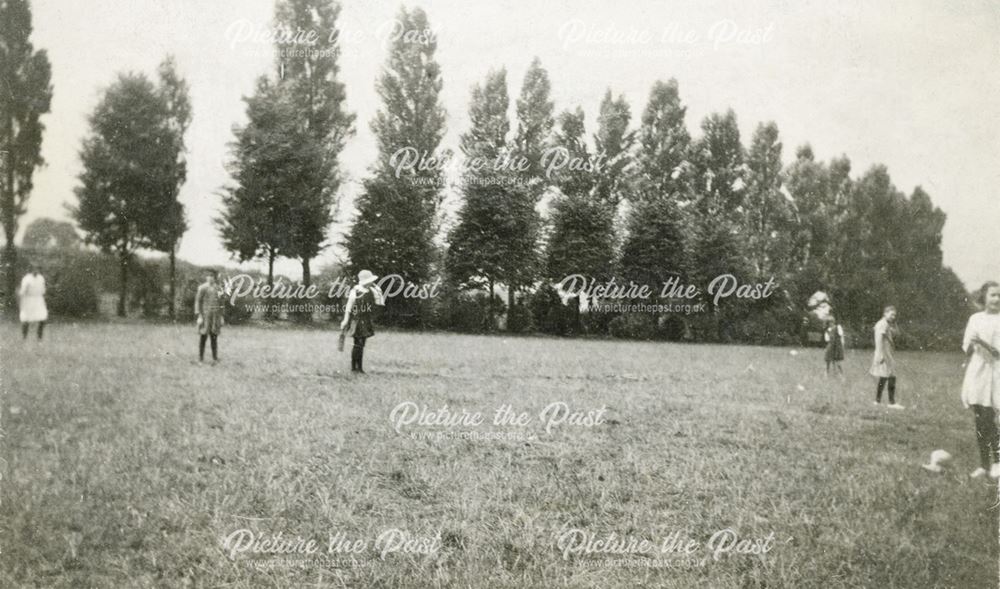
{"x": 982, "y": 374}
{"x": 32, "y": 292}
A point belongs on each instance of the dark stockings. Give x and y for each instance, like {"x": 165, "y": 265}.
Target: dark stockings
{"x": 215, "y": 346}
{"x": 25, "y": 327}
{"x": 357, "y": 355}
{"x": 891, "y": 380}
{"x": 987, "y": 435}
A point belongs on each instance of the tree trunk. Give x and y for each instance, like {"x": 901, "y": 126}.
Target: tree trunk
{"x": 511, "y": 301}
{"x": 306, "y": 276}
{"x": 270, "y": 312}
{"x": 173, "y": 282}
{"x": 10, "y": 275}
{"x": 9, "y": 217}
{"x": 491, "y": 313}
{"x": 270, "y": 267}
{"x": 123, "y": 285}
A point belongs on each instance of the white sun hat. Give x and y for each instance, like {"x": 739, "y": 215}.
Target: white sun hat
{"x": 938, "y": 458}
{"x": 365, "y": 277}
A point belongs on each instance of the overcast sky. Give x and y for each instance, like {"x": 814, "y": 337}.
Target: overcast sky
{"x": 911, "y": 84}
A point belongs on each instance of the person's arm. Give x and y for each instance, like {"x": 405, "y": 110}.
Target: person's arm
{"x": 197, "y": 300}
{"x": 880, "y": 335}
{"x": 379, "y": 297}
{"x": 968, "y": 338}
{"x": 348, "y": 308}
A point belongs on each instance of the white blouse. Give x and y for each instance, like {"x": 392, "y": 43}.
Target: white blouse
{"x": 982, "y": 373}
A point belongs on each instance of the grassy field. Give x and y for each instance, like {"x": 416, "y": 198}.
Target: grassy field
{"x": 128, "y": 464}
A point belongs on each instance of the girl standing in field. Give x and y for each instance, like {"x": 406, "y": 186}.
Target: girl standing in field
{"x": 981, "y": 386}
{"x": 834, "y": 336}
{"x": 208, "y": 310}
{"x": 883, "y": 363}
{"x": 358, "y": 314}
{"x": 32, "y": 302}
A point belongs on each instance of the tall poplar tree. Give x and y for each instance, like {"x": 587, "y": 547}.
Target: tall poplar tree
{"x": 25, "y": 95}
{"x": 308, "y": 73}
{"x": 398, "y": 207}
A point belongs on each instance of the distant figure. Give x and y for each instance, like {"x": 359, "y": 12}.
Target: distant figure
{"x": 208, "y": 309}
{"x": 981, "y": 386}
{"x": 883, "y": 363}
{"x": 834, "y": 336}
{"x": 358, "y": 313}
{"x": 32, "y": 302}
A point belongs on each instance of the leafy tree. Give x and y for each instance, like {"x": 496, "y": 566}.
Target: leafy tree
{"x": 715, "y": 244}
{"x": 495, "y": 236}
{"x": 769, "y": 218}
{"x": 398, "y": 208}
{"x": 25, "y": 95}
{"x": 43, "y": 233}
{"x": 531, "y": 140}
{"x": 614, "y": 142}
{"x": 174, "y": 91}
{"x": 582, "y": 239}
{"x": 276, "y": 169}
{"x": 308, "y": 75}
{"x": 653, "y": 249}
{"x": 129, "y": 162}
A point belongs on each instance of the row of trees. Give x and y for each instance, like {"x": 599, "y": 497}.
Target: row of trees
{"x": 642, "y": 202}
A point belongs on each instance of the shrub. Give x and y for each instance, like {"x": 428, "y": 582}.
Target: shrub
{"x": 519, "y": 319}
{"x": 549, "y": 314}
{"x": 72, "y": 291}
{"x": 147, "y": 288}
{"x": 633, "y": 326}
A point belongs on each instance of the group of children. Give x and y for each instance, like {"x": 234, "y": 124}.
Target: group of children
{"x": 981, "y": 344}
{"x": 357, "y": 323}
{"x": 980, "y": 386}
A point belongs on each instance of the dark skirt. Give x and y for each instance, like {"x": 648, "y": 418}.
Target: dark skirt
{"x": 834, "y": 351}
{"x": 361, "y": 327}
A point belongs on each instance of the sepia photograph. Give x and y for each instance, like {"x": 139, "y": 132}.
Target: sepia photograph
{"x": 484, "y": 294}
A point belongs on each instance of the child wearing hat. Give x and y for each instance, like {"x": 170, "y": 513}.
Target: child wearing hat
{"x": 981, "y": 386}
{"x": 358, "y": 315}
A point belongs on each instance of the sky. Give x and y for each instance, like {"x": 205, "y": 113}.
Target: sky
{"x": 910, "y": 84}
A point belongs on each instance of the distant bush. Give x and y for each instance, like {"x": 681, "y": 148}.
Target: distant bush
{"x": 549, "y": 314}
{"x": 147, "y": 285}
{"x": 72, "y": 291}
{"x": 520, "y": 319}
{"x": 633, "y": 326}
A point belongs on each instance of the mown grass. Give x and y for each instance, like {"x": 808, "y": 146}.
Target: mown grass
{"x": 127, "y": 463}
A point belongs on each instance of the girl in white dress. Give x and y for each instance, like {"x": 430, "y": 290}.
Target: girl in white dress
{"x": 32, "y": 302}
{"x": 981, "y": 387}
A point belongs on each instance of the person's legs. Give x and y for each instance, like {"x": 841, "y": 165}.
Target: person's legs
{"x": 992, "y": 434}
{"x": 984, "y": 419}
{"x": 879, "y": 387}
{"x": 215, "y": 346}
{"x": 24, "y": 329}
{"x": 357, "y": 355}
{"x": 41, "y": 328}
{"x": 201, "y": 346}
{"x": 892, "y": 390}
